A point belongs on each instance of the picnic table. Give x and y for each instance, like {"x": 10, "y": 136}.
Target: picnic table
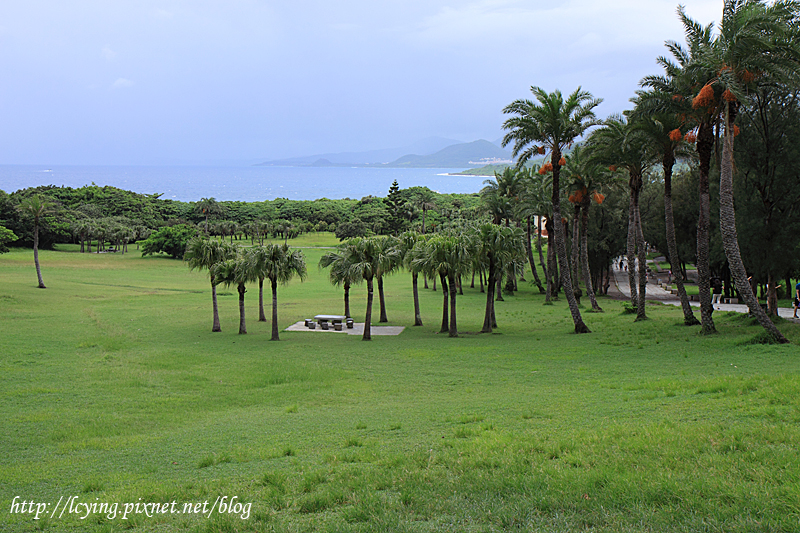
{"x": 336, "y": 320}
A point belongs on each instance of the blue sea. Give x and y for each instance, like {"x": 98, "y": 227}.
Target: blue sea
{"x": 248, "y": 184}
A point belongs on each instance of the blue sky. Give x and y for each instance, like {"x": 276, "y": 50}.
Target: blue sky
{"x": 193, "y": 82}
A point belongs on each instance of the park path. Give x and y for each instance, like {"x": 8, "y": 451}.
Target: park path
{"x": 656, "y": 293}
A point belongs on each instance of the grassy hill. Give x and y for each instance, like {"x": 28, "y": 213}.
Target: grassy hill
{"x": 115, "y": 390}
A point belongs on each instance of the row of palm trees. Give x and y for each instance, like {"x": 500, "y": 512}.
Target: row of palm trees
{"x": 118, "y": 232}
{"x": 680, "y": 114}
{"x": 449, "y": 255}
{"x": 230, "y": 265}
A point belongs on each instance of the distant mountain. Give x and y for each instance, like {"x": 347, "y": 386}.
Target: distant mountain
{"x": 371, "y": 157}
{"x": 474, "y": 154}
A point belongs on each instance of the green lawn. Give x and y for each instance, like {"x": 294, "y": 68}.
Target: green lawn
{"x": 115, "y": 390}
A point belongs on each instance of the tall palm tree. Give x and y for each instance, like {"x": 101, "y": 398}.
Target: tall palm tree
{"x": 340, "y": 273}
{"x": 279, "y": 264}
{"x": 622, "y": 144}
{"x": 37, "y": 207}
{"x": 663, "y": 131}
{"x": 682, "y": 75}
{"x": 586, "y": 177}
{"x": 363, "y": 256}
{"x": 203, "y": 253}
{"x": 534, "y": 201}
{"x": 754, "y": 38}
{"x": 552, "y": 123}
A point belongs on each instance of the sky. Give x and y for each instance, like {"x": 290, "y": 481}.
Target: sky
{"x": 238, "y": 81}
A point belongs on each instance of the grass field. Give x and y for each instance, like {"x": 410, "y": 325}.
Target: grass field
{"x": 115, "y": 390}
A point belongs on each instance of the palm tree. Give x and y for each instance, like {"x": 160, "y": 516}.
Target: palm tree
{"x": 235, "y": 271}
{"x": 663, "y": 131}
{"x": 682, "y": 77}
{"x": 362, "y": 256}
{"x": 388, "y": 260}
{"x": 37, "y": 207}
{"x": 534, "y": 201}
{"x": 204, "y": 253}
{"x": 279, "y": 264}
{"x": 340, "y": 273}
{"x": 208, "y": 206}
{"x": 448, "y": 257}
{"x": 496, "y": 246}
{"x": 406, "y": 246}
{"x": 622, "y": 144}
{"x": 553, "y": 124}
{"x": 754, "y": 38}
{"x": 424, "y": 200}
{"x": 586, "y": 177}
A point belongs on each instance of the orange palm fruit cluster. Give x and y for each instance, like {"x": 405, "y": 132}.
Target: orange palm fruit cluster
{"x": 747, "y": 76}
{"x": 540, "y": 150}
{"x": 613, "y": 168}
{"x": 704, "y": 98}
{"x": 727, "y": 95}
{"x": 690, "y": 137}
{"x": 736, "y": 130}
{"x": 547, "y": 167}
{"x": 562, "y": 162}
{"x": 598, "y": 197}
{"x": 675, "y": 135}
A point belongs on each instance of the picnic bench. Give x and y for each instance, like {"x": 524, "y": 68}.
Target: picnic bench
{"x": 335, "y": 320}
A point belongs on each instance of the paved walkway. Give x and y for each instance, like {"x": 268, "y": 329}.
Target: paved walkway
{"x": 656, "y": 293}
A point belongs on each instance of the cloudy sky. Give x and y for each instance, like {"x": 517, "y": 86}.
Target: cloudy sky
{"x": 189, "y": 82}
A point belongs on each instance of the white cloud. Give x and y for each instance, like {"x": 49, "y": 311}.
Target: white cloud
{"x": 108, "y": 53}
{"x": 121, "y": 83}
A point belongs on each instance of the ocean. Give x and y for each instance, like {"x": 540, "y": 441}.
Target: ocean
{"x": 248, "y": 184}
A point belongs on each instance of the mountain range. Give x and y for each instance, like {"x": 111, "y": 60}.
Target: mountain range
{"x": 434, "y": 152}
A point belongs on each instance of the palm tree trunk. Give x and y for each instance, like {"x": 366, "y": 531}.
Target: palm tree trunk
{"x": 730, "y": 241}
{"x": 641, "y": 309}
{"x": 242, "y": 325}
{"x": 587, "y": 275}
{"x": 453, "y": 331}
{"x": 367, "y": 336}
{"x": 261, "y": 316}
{"x": 382, "y": 300}
{"x": 480, "y": 280}
{"x": 215, "y": 327}
{"x": 576, "y": 239}
{"x": 499, "y": 283}
{"x": 417, "y": 314}
{"x": 487, "y": 317}
{"x": 347, "y": 299}
{"x": 424, "y": 280}
{"x": 529, "y": 249}
{"x": 631, "y": 255}
{"x": 705, "y": 142}
{"x": 672, "y": 247}
{"x": 561, "y": 249}
{"x": 445, "y": 289}
{"x": 274, "y": 310}
{"x": 36, "y": 254}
